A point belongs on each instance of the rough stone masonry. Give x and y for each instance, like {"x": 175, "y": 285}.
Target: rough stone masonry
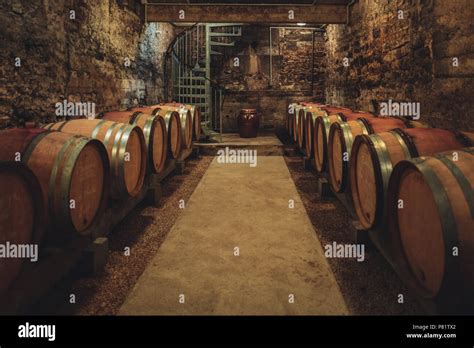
{"x": 83, "y": 51}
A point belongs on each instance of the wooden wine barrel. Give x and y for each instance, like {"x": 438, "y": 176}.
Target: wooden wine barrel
{"x": 433, "y": 233}
{"x": 154, "y": 130}
{"x": 196, "y": 116}
{"x": 321, "y": 127}
{"x": 305, "y": 111}
{"x": 125, "y": 146}
{"x": 173, "y": 128}
{"x": 73, "y": 174}
{"x": 341, "y": 138}
{"x": 374, "y": 156}
{"x": 186, "y": 121}
{"x": 22, "y": 215}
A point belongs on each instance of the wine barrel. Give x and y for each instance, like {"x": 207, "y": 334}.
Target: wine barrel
{"x": 154, "y": 130}
{"x": 73, "y": 174}
{"x": 431, "y": 216}
{"x": 302, "y": 121}
{"x": 22, "y": 217}
{"x": 125, "y": 145}
{"x": 186, "y": 121}
{"x": 374, "y": 156}
{"x": 196, "y": 116}
{"x": 341, "y": 137}
{"x": 173, "y": 127}
{"x": 321, "y": 126}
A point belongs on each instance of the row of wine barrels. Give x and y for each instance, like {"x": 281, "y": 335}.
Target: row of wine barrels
{"x": 154, "y": 130}
{"x": 196, "y": 117}
{"x": 22, "y": 217}
{"x": 318, "y": 127}
{"x": 186, "y": 121}
{"x": 341, "y": 138}
{"x": 301, "y": 119}
{"x": 173, "y": 127}
{"x": 374, "y": 156}
{"x": 431, "y": 214}
{"x": 73, "y": 172}
{"x": 126, "y": 148}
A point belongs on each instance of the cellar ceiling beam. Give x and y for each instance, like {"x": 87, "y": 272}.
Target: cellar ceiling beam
{"x": 314, "y": 14}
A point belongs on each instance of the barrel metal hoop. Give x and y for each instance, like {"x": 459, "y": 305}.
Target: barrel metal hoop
{"x": 118, "y": 152}
{"x": 96, "y": 129}
{"x": 341, "y": 116}
{"x": 408, "y": 140}
{"x": 385, "y": 168}
{"x": 62, "y": 125}
{"x": 346, "y": 148}
{"x": 366, "y": 126}
{"x": 48, "y": 126}
{"x": 402, "y": 143}
{"x": 135, "y": 117}
{"x": 32, "y": 145}
{"x": 448, "y": 223}
{"x": 463, "y": 183}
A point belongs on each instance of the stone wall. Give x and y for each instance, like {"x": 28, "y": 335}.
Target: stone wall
{"x": 249, "y": 85}
{"x": 406, "y": 57}
{"x": 101, "y": 52}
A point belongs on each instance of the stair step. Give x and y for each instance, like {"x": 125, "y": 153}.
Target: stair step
{"x": 199, "y": 69}
{"x": 228, "y": 44}
{"x": 225, "y": 34}
{"x": 197, "y": 78}
{"x": 216, "y": 25}
{"x": 191, "y": 86}
{"x": 200, "y": 96}
{"x": 215, "y": 52}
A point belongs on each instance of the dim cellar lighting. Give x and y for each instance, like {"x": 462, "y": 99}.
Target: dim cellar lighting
{"x": 301, "y": 24}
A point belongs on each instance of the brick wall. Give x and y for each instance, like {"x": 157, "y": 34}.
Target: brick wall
{"x": 406, "y": 59}
{"x": 249, "y": 85}
{"x": 101, "y": 53}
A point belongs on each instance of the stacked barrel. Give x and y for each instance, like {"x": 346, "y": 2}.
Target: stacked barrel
{"x": 412, "y": 185}
{"x": 57, "y": 181}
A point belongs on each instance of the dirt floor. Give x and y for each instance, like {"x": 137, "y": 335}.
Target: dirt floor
{"x": 370, "y": 287}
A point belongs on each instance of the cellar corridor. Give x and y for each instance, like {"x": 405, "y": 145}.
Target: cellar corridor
{"x": 243, "y": 245}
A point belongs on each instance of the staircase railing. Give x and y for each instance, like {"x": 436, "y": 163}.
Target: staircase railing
{"x": 187, "y": 75}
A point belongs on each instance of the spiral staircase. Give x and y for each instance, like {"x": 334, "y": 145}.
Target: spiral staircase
{"x": 190, "y": 59}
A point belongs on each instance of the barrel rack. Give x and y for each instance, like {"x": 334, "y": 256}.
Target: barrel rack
{"x": 36, "y": 280}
